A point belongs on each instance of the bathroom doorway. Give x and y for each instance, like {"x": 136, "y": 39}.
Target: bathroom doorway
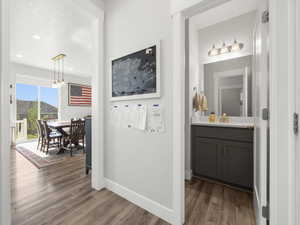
{"x": 226, "y": 157}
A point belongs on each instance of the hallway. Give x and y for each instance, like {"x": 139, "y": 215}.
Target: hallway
{"x": 61, "y": 194}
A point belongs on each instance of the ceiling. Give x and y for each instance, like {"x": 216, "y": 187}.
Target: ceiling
{"x": 41, "y": 29}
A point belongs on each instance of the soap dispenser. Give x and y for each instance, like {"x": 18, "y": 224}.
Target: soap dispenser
{"x": 212, "y": 117}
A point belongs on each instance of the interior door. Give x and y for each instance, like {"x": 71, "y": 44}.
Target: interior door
{"x": 261, "y": 107}
{"x": 297, "y": 137}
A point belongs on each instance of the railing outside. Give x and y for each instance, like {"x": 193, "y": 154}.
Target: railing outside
{"x": 20, "y": 133}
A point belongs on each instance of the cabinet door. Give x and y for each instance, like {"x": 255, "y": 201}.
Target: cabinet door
{"x": 237, "y": 163}
{"x": 205, "y": 153}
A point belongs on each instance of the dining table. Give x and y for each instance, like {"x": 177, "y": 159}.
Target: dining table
{"x": 60, "y": 126}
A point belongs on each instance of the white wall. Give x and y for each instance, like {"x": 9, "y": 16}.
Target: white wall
{"x": 136, "y": 160}
{"x": 36, "y": 76}
{"x": 67, "y": 112}
{"x": 240, "y": 27}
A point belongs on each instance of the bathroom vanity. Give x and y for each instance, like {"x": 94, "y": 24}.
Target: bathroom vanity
{"x": 223, "y": 152}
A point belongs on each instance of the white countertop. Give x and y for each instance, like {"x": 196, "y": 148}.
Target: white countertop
{"x": 219, "y": 124}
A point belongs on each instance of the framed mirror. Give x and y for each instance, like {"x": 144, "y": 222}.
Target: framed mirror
{"x": 228, "y": 87}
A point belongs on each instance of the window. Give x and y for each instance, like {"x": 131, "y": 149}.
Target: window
{"x": 48, "y": 103}
{"x": 34, "y": 102}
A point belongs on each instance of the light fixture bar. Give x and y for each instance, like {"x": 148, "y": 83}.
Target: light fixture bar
{"x": 58, "y": 70}
{"x": 58, "y": 57}
{"x": 225, "y": 49}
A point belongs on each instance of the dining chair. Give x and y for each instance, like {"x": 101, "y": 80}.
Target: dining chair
{"x": 77, "y": 132}
{"x": 52, "y": 138}
{"x": 41, "y": 135}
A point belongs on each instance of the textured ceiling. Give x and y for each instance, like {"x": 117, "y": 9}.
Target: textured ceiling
{"x": 41, "y": 29}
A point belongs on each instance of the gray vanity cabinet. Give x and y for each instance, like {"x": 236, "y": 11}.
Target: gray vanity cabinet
{"x": 237, "y": 163}
{"x": 224, "y": 154}
{"x": 205, "y": 157}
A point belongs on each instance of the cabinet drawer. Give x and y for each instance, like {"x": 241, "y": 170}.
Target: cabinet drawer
{"x": 223, "y": 133}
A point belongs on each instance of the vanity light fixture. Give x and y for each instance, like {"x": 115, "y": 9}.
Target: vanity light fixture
{"x": 236, "y": 46}
{"x": 224, "y": 49}
{"x": 213, "y": 51}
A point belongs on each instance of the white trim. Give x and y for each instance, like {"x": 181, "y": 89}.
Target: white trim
{"x": 98, "y": 181}
{"x": 158, "y": 70}
{"x": 188, "y": 174}
{"x": 257, "y": 207}
{"x": 5, "y": 194}
{"x": 98, "y": 94}
{"x": 153, "y": 207}
{"x": 178, "y": 118}
{"x": 228, "y": 56}
{"x": 282, "y": 106}
{"x": 297, "y": 167}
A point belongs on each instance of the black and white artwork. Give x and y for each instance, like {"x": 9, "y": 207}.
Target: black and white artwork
{"x": 136, "y": 75}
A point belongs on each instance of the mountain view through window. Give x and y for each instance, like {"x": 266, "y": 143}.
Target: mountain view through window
{"x": 33, "y": 103}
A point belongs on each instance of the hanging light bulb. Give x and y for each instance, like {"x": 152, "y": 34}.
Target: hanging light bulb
{"x": 62, "y": 82}
{"x": 224, "y": 49}
{"x": 236, "y": 46}
{"x": 58, "y": 71}
{"x": 213, "y": 51}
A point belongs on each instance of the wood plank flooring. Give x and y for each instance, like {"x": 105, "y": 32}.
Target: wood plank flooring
{"x": 62, "y": 195}
{"x": 210, "y": 203}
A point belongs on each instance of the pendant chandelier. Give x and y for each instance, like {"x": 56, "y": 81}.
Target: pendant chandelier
{"x": 58, "y": 71}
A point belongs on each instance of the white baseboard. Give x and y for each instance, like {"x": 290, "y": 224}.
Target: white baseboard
{"x": 141, "y": 201}
{"x": 188, "y": 174}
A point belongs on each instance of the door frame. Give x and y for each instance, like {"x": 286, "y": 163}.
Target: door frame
{"x": 5, "y": 207}
{"x": 97, "y": 105}
{"x": 282, "y": 108}
{"x": 297, "y": 105}
{"x": 282, "y": 62}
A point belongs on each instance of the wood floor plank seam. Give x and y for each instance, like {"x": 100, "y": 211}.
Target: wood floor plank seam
{"x": 61, "y": 194}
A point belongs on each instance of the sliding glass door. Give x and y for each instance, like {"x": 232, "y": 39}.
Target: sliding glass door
{"x": 48, "y": 103}
{"x": 33, "y": 102}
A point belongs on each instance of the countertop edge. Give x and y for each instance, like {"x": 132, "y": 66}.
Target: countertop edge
{"x": 229, "y": 125}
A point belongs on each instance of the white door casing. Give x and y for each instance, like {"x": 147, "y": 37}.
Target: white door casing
{"x": 297, "y": 94}
{"x": 5, "y": 211}
{"x": 261, "y": 82}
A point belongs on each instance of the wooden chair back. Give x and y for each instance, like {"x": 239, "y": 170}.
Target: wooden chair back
{"x": 77, "y": 131}
{"x": 46, "y": 129}
{"x": 40, "y": 128}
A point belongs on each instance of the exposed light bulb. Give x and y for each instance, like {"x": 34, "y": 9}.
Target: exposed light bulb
{"x": 236, "y": 46}
{"x": 54, "y": 84}
{"x": 213, "y": 51}
{"x": 224, "y": 49}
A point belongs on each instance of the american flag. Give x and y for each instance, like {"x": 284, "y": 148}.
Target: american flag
{"x": 80, "y": 95}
